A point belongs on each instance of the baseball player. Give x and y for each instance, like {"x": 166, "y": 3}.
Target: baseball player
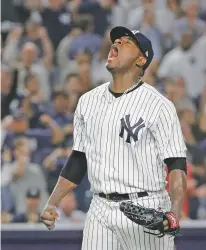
{"x": 125, "y": 132}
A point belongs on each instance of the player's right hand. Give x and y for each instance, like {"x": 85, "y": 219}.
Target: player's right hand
{"x": 49, "y": 216}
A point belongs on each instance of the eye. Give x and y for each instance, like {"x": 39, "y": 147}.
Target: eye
{"x": 129, "y": 42}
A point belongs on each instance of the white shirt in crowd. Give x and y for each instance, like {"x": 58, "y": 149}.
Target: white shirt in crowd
{"x": 188, "y": 64}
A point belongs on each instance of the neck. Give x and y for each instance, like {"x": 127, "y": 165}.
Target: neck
{"x": 122, "y": 82}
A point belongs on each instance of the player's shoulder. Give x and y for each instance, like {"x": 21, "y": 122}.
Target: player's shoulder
{"x": 155, "y": 93}
{"x": 95, "y": 92}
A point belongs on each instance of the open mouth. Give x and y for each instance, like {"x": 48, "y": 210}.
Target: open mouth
{"x": 113, "y": 52}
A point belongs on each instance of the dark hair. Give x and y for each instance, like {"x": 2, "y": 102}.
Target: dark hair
{"x": 70, "y": 75}
{"x": 84, "y": 22}
{"x": 85, "y": 51}
{"x": 19, "y": 141}
{"x": 58, "y": 93}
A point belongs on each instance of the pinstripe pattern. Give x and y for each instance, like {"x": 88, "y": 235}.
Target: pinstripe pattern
{"x": 115, "y": 165}
{"x": 107, "y": 228}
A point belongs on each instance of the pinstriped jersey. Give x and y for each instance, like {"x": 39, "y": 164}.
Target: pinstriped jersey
{"x": 126, "y": 139}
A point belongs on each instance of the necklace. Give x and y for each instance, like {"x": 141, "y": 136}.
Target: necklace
{"x": 132, "y": 87}
{"x": 129, "y": 89}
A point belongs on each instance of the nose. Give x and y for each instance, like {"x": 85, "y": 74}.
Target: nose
{"x": 118, "y": 41}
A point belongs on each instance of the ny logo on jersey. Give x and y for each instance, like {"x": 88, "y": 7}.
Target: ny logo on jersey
{"x": 125, "y": 125}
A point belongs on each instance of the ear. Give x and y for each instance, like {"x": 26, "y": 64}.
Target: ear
{"x": 141, "y": 61}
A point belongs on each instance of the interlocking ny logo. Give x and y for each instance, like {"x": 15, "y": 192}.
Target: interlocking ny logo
{"x": 125, "y": 125}
{"x": 135, "y": 31}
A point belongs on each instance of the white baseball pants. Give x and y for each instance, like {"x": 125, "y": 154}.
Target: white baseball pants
{"x": 107, "y": 228}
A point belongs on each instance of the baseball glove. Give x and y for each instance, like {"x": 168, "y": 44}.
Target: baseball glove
{"x": 151, "y": 218}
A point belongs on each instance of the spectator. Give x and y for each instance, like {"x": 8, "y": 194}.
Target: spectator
{"x": 189, "y": 68}
{"x": 37, "y": 34}
{"x": 59, "y": 109}
{"x": 32, "y": 212}
{"x": 60, "y": 115}
{"x": 22, "y": 174}
{"x": 199, "y": 129}
{"x": 175, "y": 90}
{"x": 82, "y": 66}
{"x": 103, "y": 12}
{"x": 72, "y": 85}
{"x": 34, "y": 33}
{"x": 149, "y": 29}
{"x": 67, "y": 210}
{"x": 99, "y": 62}
{"x": 57, "y": 20}
{"x": 42, "y": 138}
{"x": 10, "y": 55}
{"x": 27, "y": 8}
{"x": 84, "y": 60}
{"x": 167, "y": 14}
{"x": 8, "y": 18}
{"x": 62, "y": 51}
{"x": 28, "y": 64}
{"x": 87, "y": 40}
{"x": 80, "y": 39}
{"x": 31, "y": 97}
{"x": 135, "y": 16}
{"x": 187, "y": 119}
{"x": 190, "y": 21}
{"x": 8, "y": 90}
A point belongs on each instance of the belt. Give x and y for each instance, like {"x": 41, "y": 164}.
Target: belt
{"x": 119, "y": 197}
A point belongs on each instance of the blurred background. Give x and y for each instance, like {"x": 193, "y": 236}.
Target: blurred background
{"x": 52, "y": 52}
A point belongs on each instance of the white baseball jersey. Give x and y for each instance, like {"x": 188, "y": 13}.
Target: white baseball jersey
{"x": 126, "y": 139}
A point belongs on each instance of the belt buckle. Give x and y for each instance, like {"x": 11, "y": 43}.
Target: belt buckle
{"x": 107, "y": 197}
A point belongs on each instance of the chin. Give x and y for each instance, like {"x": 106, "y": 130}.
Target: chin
{"x": 110, "y": 68}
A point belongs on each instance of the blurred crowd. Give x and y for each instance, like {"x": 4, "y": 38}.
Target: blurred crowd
{"x": 52, "y": 52}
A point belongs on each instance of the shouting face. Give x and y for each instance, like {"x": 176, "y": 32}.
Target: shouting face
{"x": 124, "y": 54}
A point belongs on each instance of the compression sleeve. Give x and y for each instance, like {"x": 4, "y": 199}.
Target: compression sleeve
{"x": 176, "y": 163}
{"x": 75, "y": 167}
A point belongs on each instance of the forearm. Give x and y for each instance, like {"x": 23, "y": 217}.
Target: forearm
{"x": 62, "y": 51}
{"x": 48, "y": 52}
{"x": 177, "y": 190}
{"x": 57, "y": 133}
{"x": 10, "y": 51}
{"x": 71, "y": 175}
{"x": 62, "y": 187}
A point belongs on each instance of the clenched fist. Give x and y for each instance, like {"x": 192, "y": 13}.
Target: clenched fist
{"x": 49, "y": 216}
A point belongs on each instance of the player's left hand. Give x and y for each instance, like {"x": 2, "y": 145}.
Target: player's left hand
{"x": 150, "y": 218}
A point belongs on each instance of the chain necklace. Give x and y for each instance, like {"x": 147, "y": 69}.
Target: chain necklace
{"x": 129, "y": 89}
{"x": 132, "y": 87}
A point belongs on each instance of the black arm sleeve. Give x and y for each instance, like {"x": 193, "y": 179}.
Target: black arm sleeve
{"x": 75, "y": 167}
{"x": 176, "y": 163}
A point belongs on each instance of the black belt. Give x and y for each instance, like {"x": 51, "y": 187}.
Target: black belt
{"x": 120, "y": 197}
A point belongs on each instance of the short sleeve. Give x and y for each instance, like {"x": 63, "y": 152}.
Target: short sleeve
{"x": 168, "y": 134}
{"x": 79, "y": 129}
